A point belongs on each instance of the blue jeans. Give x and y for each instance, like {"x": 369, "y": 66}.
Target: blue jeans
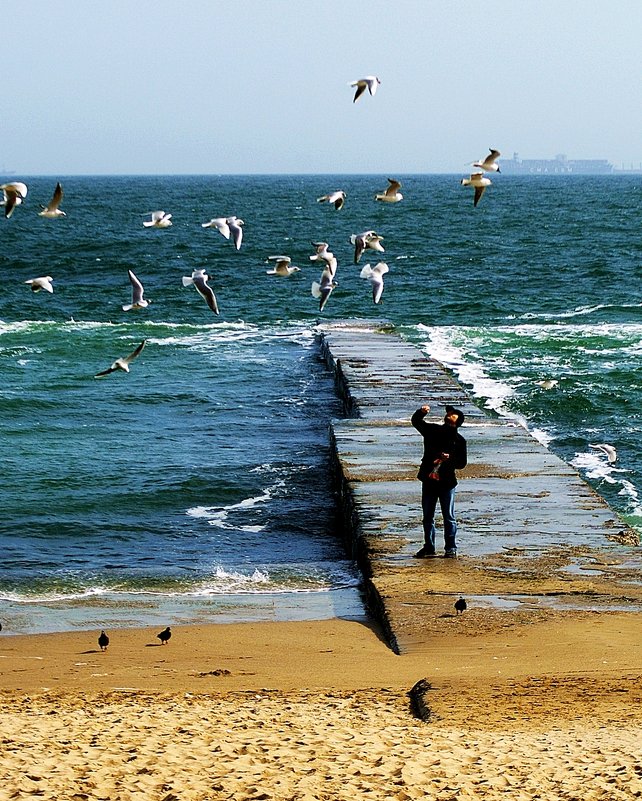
{"x": 446, "y": 497}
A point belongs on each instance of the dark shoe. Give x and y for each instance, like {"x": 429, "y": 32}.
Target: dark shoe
{"x": 451, "y": 553}
{"x": 423, "y": 553}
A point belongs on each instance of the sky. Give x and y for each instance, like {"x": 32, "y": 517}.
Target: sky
{"x": 262, "y": 86}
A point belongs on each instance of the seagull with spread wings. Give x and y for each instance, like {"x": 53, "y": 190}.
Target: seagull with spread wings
{"x": 122, "y": 363}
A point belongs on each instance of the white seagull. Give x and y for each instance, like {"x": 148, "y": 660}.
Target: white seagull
{"x": 364, "y": 241}
{"x": 14, "y": 193}
{"x": 199, "y": 278}
{"x": 609, "y": 450}
{"x": 44, "y": 282}
{"x": 138, "y": 301}
{"x": 375, "y": 276}
{"x": 220, "y": 223}
{"x": 489, "y": 163}
{"x": 236, "y": 231}
{"x": 392, "y": 193}
{"x": 323, "y": 288}
{"x": 123, "y": 363}
{"x": 159, "y": 220}
{"x": 283, "y": 266}
{"x": 480, "y": 183}
{"x": 321, "y": 252}
{"x": 338, "y": 198}
{"x": 370, "y": 82}
{"x": 51, "y": 210}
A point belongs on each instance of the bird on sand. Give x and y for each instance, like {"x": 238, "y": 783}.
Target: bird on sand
{"x": 13, "y": 195}
{"x": 236, "y": 231}
{"x": 489, "y": 164}
{"x": 43, "y": 282}
{"x": 220, "y": 223}
{"x": 51, "y": 210}
{"x": 322, "y": 288}
{"x": 338, "y": 198}
{"x": 160, "y": 219}
{"x": 461, "y": 606}
{"x": 480, "y": 183}
{"x": 200, "y": 278}
{"x": 375, "y": 276}
{"x": 164, "y": 636}
{"x": 391, "y": 194}
{"x": 124, "y": 362}
{"x": 283, "y": 266}
{"x": 138, "y": 301}
{"x": 609, "y": 450}
{"x": 103, "y": 641}
{"x": 366, "y": 240}
{"x": 370, "y": 82}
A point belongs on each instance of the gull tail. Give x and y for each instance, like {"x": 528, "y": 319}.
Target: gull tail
{"x": 187, "y": 280}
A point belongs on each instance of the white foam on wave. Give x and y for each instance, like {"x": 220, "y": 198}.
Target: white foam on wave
{"x": 578, "y": 311}
{"x": 218, "y": 515}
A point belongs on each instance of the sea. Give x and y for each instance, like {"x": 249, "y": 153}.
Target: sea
{"x": 197, "y": 488}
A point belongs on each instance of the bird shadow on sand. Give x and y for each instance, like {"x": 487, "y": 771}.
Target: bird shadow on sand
{"x": 153, "y": 644}
{"x": 93, "y": 651}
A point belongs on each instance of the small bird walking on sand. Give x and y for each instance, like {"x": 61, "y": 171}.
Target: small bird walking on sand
{"x": 461, "y": 606}
{"x": 103, "y": 641}
{"x": 164, "y": 636}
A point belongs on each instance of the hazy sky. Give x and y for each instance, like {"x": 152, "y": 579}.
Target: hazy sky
{"x": 250, "y": 86}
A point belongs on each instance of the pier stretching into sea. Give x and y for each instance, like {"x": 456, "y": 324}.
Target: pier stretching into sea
{"x": 534, "y": 538}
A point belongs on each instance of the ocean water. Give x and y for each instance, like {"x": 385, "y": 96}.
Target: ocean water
{"x": 196, "y": 488}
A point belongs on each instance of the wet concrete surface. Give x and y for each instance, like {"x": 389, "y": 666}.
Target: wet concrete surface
{"x": 533, "y": 536}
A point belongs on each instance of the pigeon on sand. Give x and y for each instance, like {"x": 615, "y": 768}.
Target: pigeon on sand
{"x": 14, "y": 193}
{"x": 370, "y": 82}
{"x": 200, "y": 278}
{"x": 375, "y": 276}
{"x": 160, "y": 219}
{"x": 338, "y": 198}
{"x": 138, "y": 301}
{"x": 461, "y": 606}
{"x": 479, "y": 182}
{"x": 164, "y": 636}
{"x": 609, "y": 450}
{"x": 283, "y": 266}
{"x": 391, "y": 194}
{"x": 43, "y": 282}
{"x": 366, "y": 240}
{"x": 122, "y": 363}
{"x": 103, "y": 641}
{"x": 51, "y": 210}
{"x": 489, "y": 164}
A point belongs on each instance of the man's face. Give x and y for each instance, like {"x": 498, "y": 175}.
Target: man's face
{"x": 452, "y": 419}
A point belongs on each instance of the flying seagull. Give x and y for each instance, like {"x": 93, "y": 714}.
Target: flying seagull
{"x": 138, "y": 301}
{"x": 366, "y": 240}
{"x": 338, "y": 198}
{"x": 122, "y": 363}
{"x": 480, "y": 183}
{"x": 103, "y": 641}
{"x": 164, "y": 636}
{"x": 283, "y": 266}
{"x": 236, "y": 231}
{"x": 375, "y": 276}
{"x": 391, "y": 194}
{"x": 322, "y": 288}
{"x": 321, "y": 252}
{"x": 44, "y": 282}
{"x": 370, "y": 82}
{"x": 609, "y": 450}
{"x": 489, "y": 163}
{"x": 220, "y": 223}
{"x": 200, "y": 278}
{"x": 51, "y": 210}
{"x": 14, "y": 193}
{"x": 461, "y": 606}
{"x": 160, "y": 219}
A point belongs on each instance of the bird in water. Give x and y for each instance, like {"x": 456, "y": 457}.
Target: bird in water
{"x": 164, "y": 636}
{"x": 461, "y": 606}
{"x": 103, "y": 641}
{"x": 51, "y": 210}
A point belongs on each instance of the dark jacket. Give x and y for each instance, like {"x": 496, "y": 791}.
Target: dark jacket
{"x": 440, "y": 438}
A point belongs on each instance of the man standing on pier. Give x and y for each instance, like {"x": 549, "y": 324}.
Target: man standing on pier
{"x": 444, "y": 452}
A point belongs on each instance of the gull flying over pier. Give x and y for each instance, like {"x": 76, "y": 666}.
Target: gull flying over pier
{"x": 608, "y": 450}
{"x": 375, "y": 276}
{"x": 322, "y": 288}
{"x": 122, "y": 363}
{"x": 51, "y": 210}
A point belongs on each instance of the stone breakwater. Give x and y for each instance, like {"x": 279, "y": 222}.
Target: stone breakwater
{"x": 534, "y": 537}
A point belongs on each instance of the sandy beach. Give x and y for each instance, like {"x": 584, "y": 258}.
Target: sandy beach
{"x": 546, "y": 709}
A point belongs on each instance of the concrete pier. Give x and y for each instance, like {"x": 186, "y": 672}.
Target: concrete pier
{"x": 534, "y": 538}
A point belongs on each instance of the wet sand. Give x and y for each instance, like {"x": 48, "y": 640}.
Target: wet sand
{"x": 546, "y": 707}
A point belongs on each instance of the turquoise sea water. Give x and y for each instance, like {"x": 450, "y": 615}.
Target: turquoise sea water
{"x": 196, "y": 487}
